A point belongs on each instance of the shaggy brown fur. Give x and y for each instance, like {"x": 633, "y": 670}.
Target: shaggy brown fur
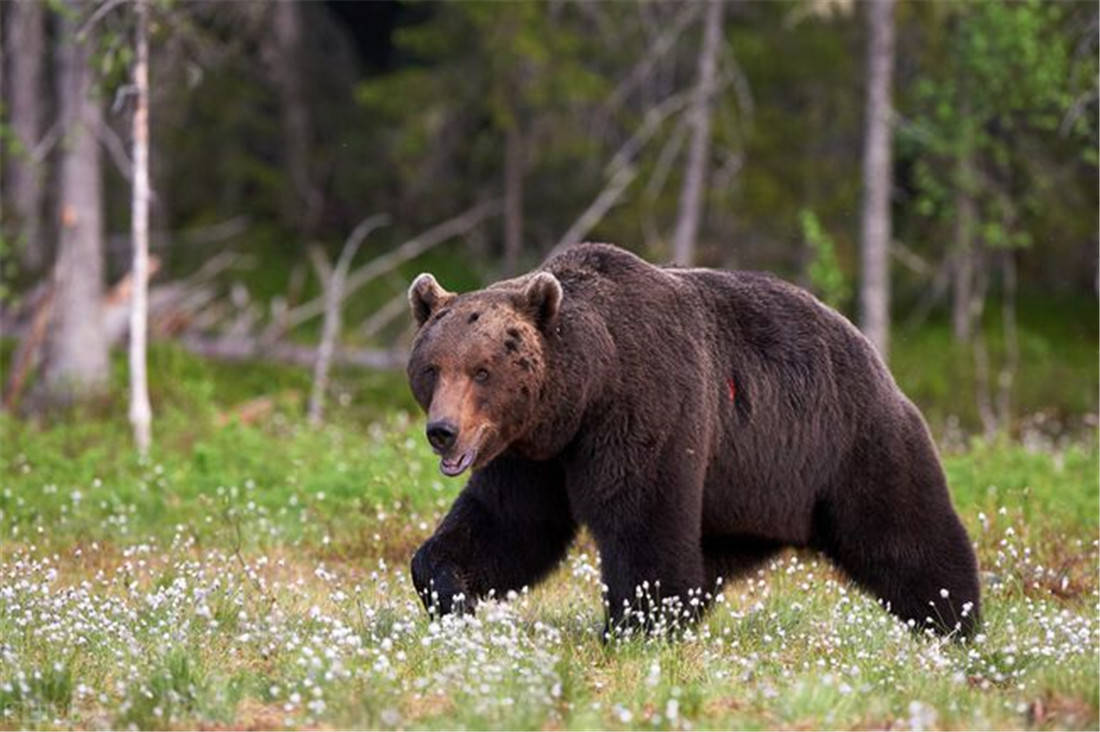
{"x": 696, "y": 421}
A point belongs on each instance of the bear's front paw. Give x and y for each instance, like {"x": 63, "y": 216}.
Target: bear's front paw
{"x": 440, "y": 585}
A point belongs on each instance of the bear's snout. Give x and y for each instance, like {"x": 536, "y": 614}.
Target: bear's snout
{"x": 442, "y": 435}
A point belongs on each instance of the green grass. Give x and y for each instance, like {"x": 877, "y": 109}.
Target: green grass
{"x": 253, "y": 574}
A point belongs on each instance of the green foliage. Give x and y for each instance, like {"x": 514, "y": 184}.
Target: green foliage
{"x": 826, "y": 276}
{"x": 993, "y": 112}
{"x": 421, "y": 135}
{"x": 799, "y": 145}
{"x": 482, "y": 69}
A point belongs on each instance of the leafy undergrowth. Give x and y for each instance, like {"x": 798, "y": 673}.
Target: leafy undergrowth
{"x": 256, "y": 577}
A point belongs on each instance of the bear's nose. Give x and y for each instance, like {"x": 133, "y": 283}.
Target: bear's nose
{"x": 442, "y": 435}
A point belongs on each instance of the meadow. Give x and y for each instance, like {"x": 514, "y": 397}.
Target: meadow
{"x": 252, "y": 573}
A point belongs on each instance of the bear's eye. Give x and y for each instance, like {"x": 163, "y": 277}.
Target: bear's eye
{"x": 481, "y": 376}
{"x": 429, "y": 371}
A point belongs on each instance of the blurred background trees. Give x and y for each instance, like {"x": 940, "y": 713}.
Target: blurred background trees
{"x": 718, "y": 134}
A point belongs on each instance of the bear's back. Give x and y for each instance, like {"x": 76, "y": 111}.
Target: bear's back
{"x": 781, "y": 383}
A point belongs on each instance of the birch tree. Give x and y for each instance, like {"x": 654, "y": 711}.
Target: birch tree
{"x": 140, "y": 411}
{"x": 875, "y": 240}
{"x": 691, "y": 195}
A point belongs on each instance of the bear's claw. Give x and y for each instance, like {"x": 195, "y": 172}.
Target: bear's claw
{"x": 439, "y": 585}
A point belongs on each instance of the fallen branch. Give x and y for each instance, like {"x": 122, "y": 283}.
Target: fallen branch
{"x": 250, "y": 349}
{"x": 208, "y": 234}
{"x": 16, "y": 313}
{"x": 256, "y": 410}
{"x": 27, "y": 353}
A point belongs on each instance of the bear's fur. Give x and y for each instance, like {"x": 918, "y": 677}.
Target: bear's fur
{"x": 695, "y": 420}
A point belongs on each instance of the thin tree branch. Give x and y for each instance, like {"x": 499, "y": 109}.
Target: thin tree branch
{"x": 650, "y": 57}
{"x": 383, "y": 316}
{"x": 408, "y": 250}
{"x": 250, "y": 349}
{"x": 665, "y": 159}
{"x": 43, "y": 147}
{"x": 117, "y": 149}
{"x": 909, "y": 258}
{"x": 98, "y": 15}
{"x": 333, "y": 279}
{"x": 598, "y": 208}
{"x": 650, "y": 124}
{"x": 321, "y": 267}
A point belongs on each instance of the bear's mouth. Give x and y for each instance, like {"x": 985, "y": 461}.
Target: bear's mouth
{"x": 457, "y": 465}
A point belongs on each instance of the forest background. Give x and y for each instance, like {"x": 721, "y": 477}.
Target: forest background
{"x": 927, "y": 168}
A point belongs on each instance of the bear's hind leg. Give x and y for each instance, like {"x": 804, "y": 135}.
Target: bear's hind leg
{"x": 893, "y": 529}
{"x": 929, "y": 583}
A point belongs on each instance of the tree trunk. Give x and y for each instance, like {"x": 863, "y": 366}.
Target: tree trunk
{"x": 691, "y": 195}
{"x": 305, "y": 208}
{"x": 140, "y": 412}
{"x": 1011, "y": 363}
{"x": 875, "y": 245}
{"x": 24, "y": 38}
{"x": 982, "y": 391}
{"x": 963, "y": 256}
{"x": 3, "y": 95}
{"x": 76, "y": 362}
{"x": 962, "y": 269}
{"x": 513, "y": 199}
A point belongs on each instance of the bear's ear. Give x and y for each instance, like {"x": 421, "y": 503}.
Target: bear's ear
{"x": 426, "y": 296}
{"x": 542, "y": 299}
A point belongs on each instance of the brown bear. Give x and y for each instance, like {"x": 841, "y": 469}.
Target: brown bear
{"x": 696, "y": 421}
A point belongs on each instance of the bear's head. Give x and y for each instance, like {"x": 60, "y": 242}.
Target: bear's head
{"x": 478, "y": 364}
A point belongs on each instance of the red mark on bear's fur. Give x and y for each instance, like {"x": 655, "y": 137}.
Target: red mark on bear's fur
{"x": 732, "y": 389}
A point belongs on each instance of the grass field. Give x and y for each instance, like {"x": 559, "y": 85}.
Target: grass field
{"x": 255, "y": 575}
